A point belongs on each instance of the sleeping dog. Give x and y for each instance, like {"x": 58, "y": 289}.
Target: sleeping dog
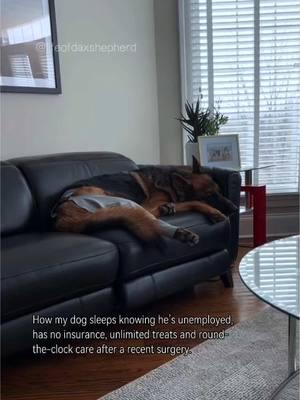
{"x": 137, "y": 200}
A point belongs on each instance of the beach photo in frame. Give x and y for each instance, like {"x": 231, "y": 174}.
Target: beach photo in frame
{"x": 28, "y": 45}
{"x": 221, "y": 151}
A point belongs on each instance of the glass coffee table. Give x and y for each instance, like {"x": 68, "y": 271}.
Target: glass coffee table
{"x": 271, "y": 272}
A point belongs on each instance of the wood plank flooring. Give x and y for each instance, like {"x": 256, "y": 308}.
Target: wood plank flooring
{"x": 89, "y": 377}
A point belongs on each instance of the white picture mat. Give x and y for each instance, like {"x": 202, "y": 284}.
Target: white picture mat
{"x": 220, "y": 151}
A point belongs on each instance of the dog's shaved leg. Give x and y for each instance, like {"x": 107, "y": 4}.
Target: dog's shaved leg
{"x": 155, "y": 211}
{"x": 72, "y": 218}
{"x": 181, "y": 234}
{"x": 201, "y": 207}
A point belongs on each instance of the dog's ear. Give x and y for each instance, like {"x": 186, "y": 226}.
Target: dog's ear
{"x": 196, "y": 166}
{"x": 182, "y": 186}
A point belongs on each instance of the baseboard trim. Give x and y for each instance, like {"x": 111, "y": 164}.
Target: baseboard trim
{"x": 278, "y": 225}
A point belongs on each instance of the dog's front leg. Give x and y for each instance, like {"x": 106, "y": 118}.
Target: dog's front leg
{"x": 198, "y": 206}
{"x": 161, "y": 209}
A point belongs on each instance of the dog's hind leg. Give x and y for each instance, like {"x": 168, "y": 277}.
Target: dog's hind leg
{"x": 147, "y": 227}
{"x": 142, "y": 223}
{"x": 181, "y": 234}
{"x": 71, "y": 218}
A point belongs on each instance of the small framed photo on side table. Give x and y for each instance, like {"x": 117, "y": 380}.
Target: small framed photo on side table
{"x": 221, "y": 151}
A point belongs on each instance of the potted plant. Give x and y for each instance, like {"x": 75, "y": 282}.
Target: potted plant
{"x": 200, "y": 122}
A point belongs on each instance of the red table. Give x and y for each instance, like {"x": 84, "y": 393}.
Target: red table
{"x": 255, "y": 202}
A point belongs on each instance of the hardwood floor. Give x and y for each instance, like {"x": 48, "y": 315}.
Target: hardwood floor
{"x": 89, "y": 377}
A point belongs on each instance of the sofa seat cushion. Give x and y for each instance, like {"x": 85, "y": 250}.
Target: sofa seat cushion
{"x": 39, "y": 270}
{"x": 137, "y": 259}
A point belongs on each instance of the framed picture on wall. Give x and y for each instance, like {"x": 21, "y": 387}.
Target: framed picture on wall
{"x": 220, "y": 151}
{"x": 28, "y": 45}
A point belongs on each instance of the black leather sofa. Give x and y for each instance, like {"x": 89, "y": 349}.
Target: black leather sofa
{"x": 52, "y": 273}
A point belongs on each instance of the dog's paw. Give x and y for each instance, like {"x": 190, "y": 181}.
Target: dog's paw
{"x": 217, "y": 217}
{"x": 167, "y": 209}
{"x": 186, "y": 236}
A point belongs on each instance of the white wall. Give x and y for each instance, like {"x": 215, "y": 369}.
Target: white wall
{"x": 109, "y": 101}
{"x": 168, "y": 80}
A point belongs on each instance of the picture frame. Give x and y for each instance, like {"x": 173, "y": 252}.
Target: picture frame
{"x": 221, "y": 151}
{"x": 28, "y": 46}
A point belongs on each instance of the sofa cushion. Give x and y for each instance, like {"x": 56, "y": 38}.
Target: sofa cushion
{"x": 49, "y": 176}
{"x": 138, "y": 259}
{"x": 16, "y": 201}
{"x": 39, "y": 270}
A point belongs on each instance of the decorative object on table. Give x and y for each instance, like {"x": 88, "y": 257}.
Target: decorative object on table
{"x": 28, "y": 43}
{"x": 221, "y": 151}
{"x": 200, "y": 122}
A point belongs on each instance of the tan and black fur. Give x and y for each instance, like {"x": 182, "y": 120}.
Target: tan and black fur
{"x": 166, "y": 192}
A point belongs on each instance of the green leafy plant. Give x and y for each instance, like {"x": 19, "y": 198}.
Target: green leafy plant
{"x": 201, "y": 122}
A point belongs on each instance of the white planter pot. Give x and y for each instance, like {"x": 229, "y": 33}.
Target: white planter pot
{"x": 191, "y": 149}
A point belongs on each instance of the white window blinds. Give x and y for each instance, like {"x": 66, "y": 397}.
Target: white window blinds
{"x": 246, "y": 54}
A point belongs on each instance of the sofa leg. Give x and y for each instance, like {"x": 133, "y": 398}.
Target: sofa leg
{"x": 227, "y": 279}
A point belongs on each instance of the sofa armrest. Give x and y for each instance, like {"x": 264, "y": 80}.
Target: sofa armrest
{"x": 229, "y": 182}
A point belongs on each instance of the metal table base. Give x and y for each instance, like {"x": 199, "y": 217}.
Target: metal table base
{"x": 292, "y": 357}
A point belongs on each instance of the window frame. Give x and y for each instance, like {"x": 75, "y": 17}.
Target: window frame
{"x": 281, "y": 202}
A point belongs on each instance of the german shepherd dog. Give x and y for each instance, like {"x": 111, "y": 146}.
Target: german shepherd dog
{"x": 137, "y": 200}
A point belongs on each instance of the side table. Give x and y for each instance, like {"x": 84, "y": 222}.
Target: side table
{"x": 255, "y": 203}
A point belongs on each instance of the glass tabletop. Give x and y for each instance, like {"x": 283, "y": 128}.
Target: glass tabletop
{"x": 271, "y": 272}
{"x": 247, "y": 168}
{"x": 252, "y": 168}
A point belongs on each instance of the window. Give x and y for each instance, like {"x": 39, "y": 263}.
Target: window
{"x": 20, "y": 66}
{"x": 245, "y": 54}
